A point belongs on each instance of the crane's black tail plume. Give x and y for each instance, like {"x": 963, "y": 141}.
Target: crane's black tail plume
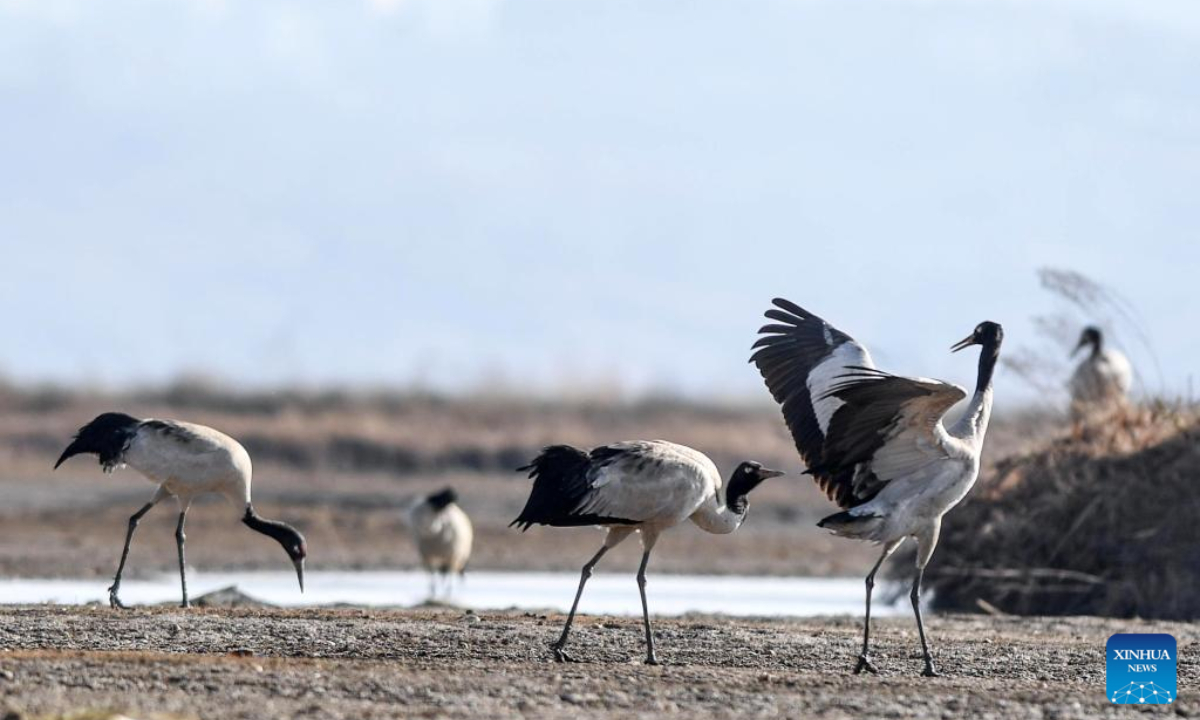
{"x": 108, "y": 436}
{"x": 851, "y": 524}
{"x": 560, "y": 488}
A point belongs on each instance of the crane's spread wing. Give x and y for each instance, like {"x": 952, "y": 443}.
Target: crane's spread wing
{"x": 800, "y": 357}
{"x": 855, "y": 427}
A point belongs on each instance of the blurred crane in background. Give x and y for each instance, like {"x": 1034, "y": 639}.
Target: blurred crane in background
{"x": 443, "y": 535}
{"x": 1102, "y": 381}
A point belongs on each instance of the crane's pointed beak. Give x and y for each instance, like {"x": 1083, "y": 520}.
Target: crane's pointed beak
{"x": 966, "y": 342}
{"x": 768, "y": 474}
{"x": 1082, "y": 343}
{"x": 72, "y": 450}
{"x": 300, "y": 572}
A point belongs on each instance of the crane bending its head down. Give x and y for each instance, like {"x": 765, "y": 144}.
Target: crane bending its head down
{"x": 185, "y": 460}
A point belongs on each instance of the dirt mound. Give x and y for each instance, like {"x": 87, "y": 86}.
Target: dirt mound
{"x": 1102, "y": 521}
{"x": 228, "y": 597}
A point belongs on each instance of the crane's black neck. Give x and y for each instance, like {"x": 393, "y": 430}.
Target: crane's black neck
{"x": 988, "y": 355}
{"x": 283, "y": 533}
{"x": 737, "y": 493}
{"x": 738, "y": 505}
{"x": 1097, "y": 342}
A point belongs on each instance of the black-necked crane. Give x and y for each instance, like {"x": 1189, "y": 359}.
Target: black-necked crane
{"x": 875, "y": 442}
{"x": 185, "y": 460}
{"x": 642, "y": 486}
{"x": 443, "y": 535}
{"x": 1102, "y": 380}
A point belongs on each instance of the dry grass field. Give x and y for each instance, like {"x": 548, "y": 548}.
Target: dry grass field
{"x": 339, "y": 465}
{"x": 1097, "y": 522}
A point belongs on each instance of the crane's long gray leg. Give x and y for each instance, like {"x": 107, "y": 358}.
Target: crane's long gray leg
{"x": 926, "y": 542}
{"x": 180, "y": 539}
{"x": 930, "y": 670}
{"x": 559, "y": 653}
{"x": 641, "y": 581}
{"x": 864, "y": 658}
{"x": 648, "y": 540}
{"x": 614, "y": 538}
{"x": 134, "y": 519}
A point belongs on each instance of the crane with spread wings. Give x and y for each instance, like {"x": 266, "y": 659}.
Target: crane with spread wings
{"x": 875, "y": 442}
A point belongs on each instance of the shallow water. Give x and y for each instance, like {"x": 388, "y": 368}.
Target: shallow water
{"x": 607, "y": 593}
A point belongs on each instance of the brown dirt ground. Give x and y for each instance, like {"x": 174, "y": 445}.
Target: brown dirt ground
{"x": 268, "y": 663}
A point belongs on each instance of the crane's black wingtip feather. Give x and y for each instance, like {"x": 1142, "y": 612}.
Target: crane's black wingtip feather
{"x": 775, "y": 329}
{"x": 790, "y": 320}
{"x": 791, "y": 307}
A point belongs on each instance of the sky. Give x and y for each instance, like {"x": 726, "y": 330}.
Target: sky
{"x": 555, "y": 194}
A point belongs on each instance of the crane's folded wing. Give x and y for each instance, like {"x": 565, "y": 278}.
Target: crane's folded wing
{"x": 888, "y": 427}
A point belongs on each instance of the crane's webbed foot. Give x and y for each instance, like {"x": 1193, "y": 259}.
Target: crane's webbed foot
{"x": 560, "y": 654}
{"x": 113, "y": 601}
{"x": 864, "y": 663}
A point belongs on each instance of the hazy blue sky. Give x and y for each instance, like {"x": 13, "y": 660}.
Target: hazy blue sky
{"x": 551, "y": 191}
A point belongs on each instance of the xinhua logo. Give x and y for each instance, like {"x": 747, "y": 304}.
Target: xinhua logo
{"x": 1141, "y": 669}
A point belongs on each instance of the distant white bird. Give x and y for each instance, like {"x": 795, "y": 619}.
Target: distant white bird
{"x": 646, "y": 487}
{"x": 873, "y": 441}
{"x": 1102, "y": 380}
{"x": 443, "y": 535}
{"x": 185, "y": 460}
